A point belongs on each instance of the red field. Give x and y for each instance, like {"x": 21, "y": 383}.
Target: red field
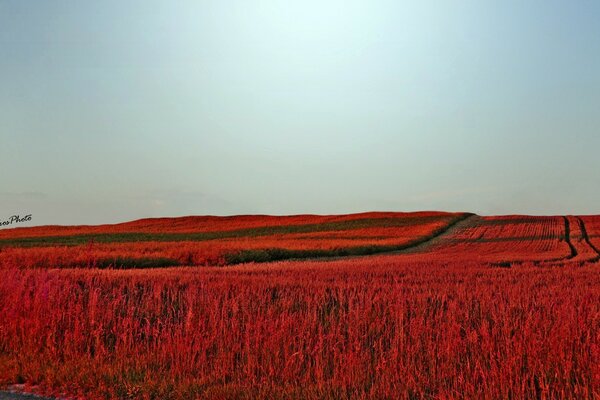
{"x": 464, "y": 307}
{"x": 214, "y": 241}
{"x": 511, "y": 239}
{"x": 210, "y": 224}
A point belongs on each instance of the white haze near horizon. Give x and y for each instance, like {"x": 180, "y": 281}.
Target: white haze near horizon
{"x": 113, "y": 111}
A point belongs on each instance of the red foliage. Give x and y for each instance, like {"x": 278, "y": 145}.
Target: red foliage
{"x": 441, "y": 321}
{"x": 375, "y": 327}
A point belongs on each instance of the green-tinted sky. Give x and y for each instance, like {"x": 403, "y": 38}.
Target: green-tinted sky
{"x": 116, "y": 110}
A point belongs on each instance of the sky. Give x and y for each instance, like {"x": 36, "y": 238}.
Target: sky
{"x": 113, "y": 111}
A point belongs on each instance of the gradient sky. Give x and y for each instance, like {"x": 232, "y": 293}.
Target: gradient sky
{"x": 117, "y": 110}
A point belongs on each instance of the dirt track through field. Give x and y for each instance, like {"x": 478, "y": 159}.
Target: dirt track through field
{"x": 439, "y": 238}
{"x": 20, "y": 396}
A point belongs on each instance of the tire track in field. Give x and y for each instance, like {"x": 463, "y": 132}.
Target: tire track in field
{"x": 568, "y": 239}
{"x": 19, "y": 391}
{"x": 587, "y": 240}
{"x": 426, "y": 245}
{"x": 11, "y": 395}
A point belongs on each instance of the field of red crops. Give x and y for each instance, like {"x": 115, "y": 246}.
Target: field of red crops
{"x": 217, "y": 241}
{"x": 455, "y": 306}
{"x": 510, "y": 239}
{"x": 212, "y": 224}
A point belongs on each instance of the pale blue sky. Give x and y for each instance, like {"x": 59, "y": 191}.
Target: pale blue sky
{"x": 116, "y": 110}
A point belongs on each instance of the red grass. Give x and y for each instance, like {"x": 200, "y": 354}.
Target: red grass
{"x": 440, "y": 323}
{"x": 374, "y": 328}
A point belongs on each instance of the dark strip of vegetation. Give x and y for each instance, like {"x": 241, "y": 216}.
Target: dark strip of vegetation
{"x": 135, "y": 263}
{"x": 278, "y": 254}
{"x": 502, "y": 264}
{"x": 567, "y": 238}
{"x": 76, "y": 240}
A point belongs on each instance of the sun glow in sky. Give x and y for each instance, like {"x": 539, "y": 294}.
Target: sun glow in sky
{"x": 113, "y": 111}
